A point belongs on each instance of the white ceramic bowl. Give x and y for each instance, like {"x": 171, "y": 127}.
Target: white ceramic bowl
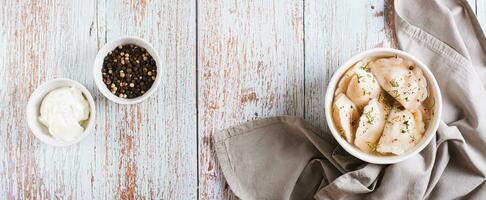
{"x": 430, "y": 130}
{"x": 98, "y": 64}
{"x": 33, "y": 107}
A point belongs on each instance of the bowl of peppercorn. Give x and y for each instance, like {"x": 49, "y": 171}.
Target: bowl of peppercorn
{"x": 126, "y": 70}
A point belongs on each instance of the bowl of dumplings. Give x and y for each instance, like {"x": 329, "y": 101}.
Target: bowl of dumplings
{"x": 383, "y": 106}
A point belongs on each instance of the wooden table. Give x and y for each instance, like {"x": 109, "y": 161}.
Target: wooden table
{"x": 224, "y": 62}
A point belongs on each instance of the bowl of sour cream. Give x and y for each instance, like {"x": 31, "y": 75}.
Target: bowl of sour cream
{"x": 61, "y": 112}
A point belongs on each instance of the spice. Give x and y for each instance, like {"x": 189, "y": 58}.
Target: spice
{"x": 394, "y": 83}
{"x": 359, "y": 77}
{"x": 128, "y": 71}
{"x": 369, "y": 116}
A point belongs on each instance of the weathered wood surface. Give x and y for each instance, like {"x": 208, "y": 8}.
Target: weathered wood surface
{"x": 147, "y": 150}
{"x": 335, "y": 31}
{"x": 225, "y": 62}
{"x": 251, "y": 65}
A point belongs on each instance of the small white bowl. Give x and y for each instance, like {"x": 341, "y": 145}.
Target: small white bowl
{"x": 33, "y": 106}
{"x": 430, "y": 130}
{"x": 98, "y": 64}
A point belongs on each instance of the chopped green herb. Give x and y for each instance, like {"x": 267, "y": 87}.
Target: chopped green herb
{"x": 372, "y": 146}
{"x": 413, "y": 138}
{"x": 369, "y": 116}
{"x": 359, "y": 78}
{"x": 381, "y": 98}
{"x": 406, "y": 124}
{"x": 394, "y": 83}
{"x": 396, "y": 93}
{"x": 365, "y": 67}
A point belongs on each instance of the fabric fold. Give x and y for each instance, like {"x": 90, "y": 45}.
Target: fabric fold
{"x": 286, "y": 158}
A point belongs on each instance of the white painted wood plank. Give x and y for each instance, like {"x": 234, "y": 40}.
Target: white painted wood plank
{"x": 142, "y": 151}
{"x": 334, "y": 32}
{"x": 43, "y": 40}
{"x": 481, "y": 13}
{"x": 163, "y": 161}
{"x": 250, "y": 66}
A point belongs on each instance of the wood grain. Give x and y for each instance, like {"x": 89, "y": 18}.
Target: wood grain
{"x": 481, "y": 13}
{"x": 254, "y": 59}
{"x": 143, "y": 151}
{"x": 157, "y": 153}
{"x": 40, "y": 44}
{"x": 250, "y": 66}
{"x": 335, "y": 31}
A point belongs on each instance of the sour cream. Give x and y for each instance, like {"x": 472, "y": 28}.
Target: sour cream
{"x": 63, "y": 111}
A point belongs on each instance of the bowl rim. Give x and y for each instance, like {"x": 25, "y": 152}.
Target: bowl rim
{"x": 98, "y": 64}
{"x": 430, "y": 130}
{"x": 38, "y": 95}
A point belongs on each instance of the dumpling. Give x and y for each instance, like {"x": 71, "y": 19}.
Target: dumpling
{"x": 427, "y": 109}
{"x": 344, "y": 81}
{"x": 345, "y": 114}
{"x": 401, "y": 79}
{"x": 370, "y": 126}
{"x": 362, "y": 88}
{"x": 403, "y": 130}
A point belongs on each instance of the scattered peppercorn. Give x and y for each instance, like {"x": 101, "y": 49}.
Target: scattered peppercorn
{"x": 132, "y": 75}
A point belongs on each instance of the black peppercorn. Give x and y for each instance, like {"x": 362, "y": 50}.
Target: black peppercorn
{"x": 128, "y": 71}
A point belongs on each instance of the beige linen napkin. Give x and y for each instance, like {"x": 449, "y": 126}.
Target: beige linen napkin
{"x": 285, "y": 158}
